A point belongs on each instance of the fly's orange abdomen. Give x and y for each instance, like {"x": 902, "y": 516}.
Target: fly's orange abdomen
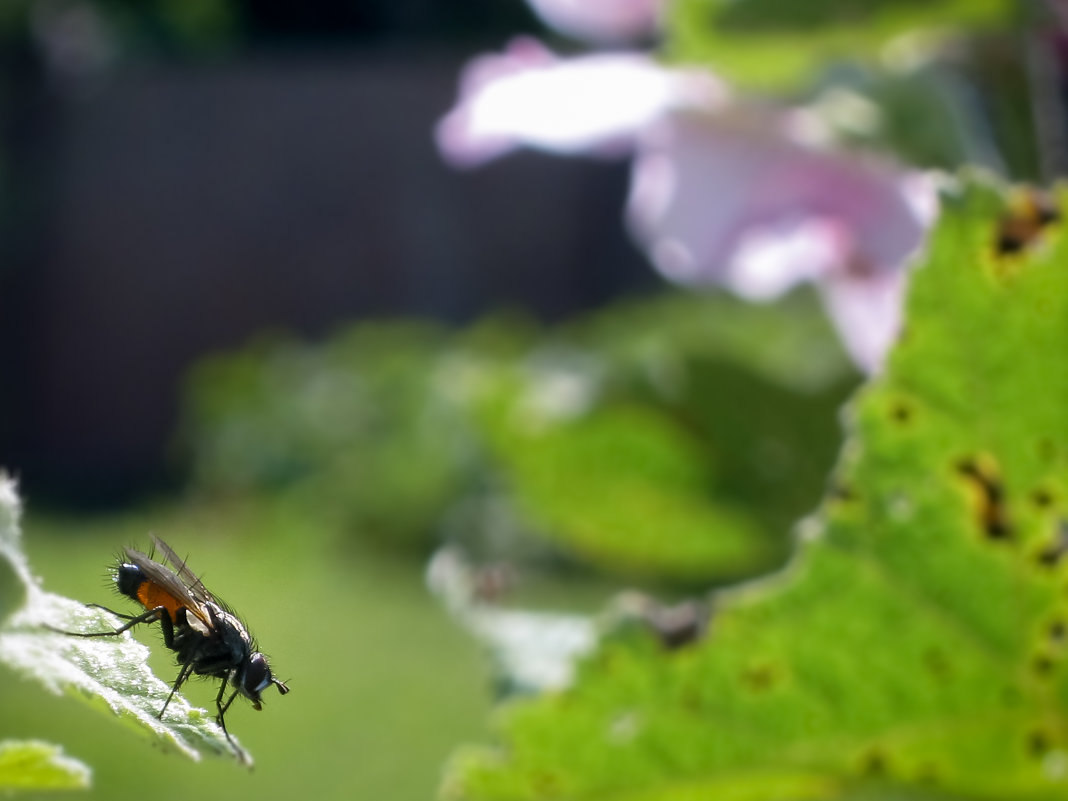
{"x": 150, "y": 596}
{"x": 133, "y": 583}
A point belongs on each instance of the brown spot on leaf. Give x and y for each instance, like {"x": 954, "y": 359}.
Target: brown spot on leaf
{"x": 1038, "y": 743}
{"x": 1057, "y": 631}
{"x": 936, "y": 663}
{"x": 1049, "y": 556}
{"x": 927, "y": 773}
{"x": 1052, "y": 552}
{"x": 759, "y": 678}
{"x": 1028, "y": 214}
{"x": 691, "y": 699}
{"x": 901, "y": 412}
{"x": 874, "y": 764}
{"x": 982, "y": 477}
{"x": 1042, "y": 665}
{"x": 1042, "y": 498}
{"x": 545, "y": 783}
{"x": 841, "y": 492}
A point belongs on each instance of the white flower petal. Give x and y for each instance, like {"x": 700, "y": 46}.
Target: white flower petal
{"x": 594, "y": 105}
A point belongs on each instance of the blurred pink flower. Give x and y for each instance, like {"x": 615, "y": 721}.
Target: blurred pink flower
{"x": 745, "y": 199}
{"x": 601, "y": 21}
{"x": 591, "y": 105}
{"x": 723, "y": 192}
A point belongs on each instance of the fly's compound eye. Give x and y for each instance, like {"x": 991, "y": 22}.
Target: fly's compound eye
{"x": 257, "y": 677}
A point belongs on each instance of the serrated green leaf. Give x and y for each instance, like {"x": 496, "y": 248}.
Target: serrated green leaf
{"x": 34, "y": 765}
{"x": 916, "y": 644}
{"x": 109, "y": 673}
{"x": 769, "y": 44}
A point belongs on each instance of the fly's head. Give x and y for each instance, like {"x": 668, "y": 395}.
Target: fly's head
{"x": 254, "y": 677}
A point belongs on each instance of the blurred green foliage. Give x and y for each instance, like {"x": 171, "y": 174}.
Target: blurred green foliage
{"x": 945, "y": 84}
{"x": 917, "y": 640}
{"x": 174, "y": 25}
{"x": 33, "y": 765}
{"x": 769, "y": 44}
{"x": 671, "y": 440}
{"x": 352, "y": 432}
{"x": 158, "y": 26}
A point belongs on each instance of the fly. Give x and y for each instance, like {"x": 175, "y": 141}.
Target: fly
{"x": 206, "y": 635}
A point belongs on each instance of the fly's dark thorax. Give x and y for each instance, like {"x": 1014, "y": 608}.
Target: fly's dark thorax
{"x": 216, "y": 650}
{"x": 234, "y": 636}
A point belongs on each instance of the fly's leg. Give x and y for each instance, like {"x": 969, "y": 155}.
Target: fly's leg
{"x": 183, "y": 674}
{"x": 166, "y": 626}
{"x": 222, "y": 722}
{"x": 112, "y": 611}
{"x": 221, "y": 706}
{"x": 152, "y": 615}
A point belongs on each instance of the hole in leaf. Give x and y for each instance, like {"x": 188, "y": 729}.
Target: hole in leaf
{"x": 680, "y": 625}
{"x": 673, "y": 625}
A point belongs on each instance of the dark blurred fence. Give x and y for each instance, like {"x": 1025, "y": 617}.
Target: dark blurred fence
{"x": 164, "y": 212}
